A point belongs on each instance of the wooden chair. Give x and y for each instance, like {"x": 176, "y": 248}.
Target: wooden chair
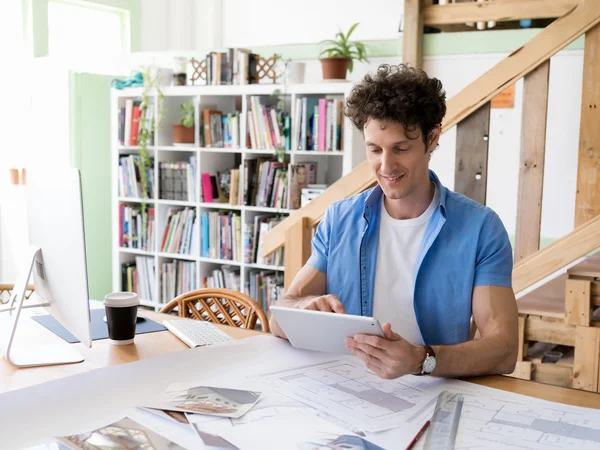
{"x": 223, "y": 306}
{"x": 7, "y": 288}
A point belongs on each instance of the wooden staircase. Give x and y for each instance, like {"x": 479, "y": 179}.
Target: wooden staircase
{"x": 469, "y": 111}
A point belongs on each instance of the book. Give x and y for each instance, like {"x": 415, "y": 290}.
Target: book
{"x": 299, "y": 176}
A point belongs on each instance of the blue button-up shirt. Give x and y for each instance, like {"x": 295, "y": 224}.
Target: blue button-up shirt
{"x": 465, "y": 245}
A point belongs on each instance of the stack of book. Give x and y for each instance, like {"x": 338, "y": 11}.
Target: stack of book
{"x": 130, "y": 120}
{"x": 254, "y": 234}
{"x": 235, "y": 66}
{"x": 220, "y": 235}
{"x": 130, "y": 181}
{"x": 268, "y": 127}
{"x": 227, "y": 277}
{"x": 178, "y": 180}
{"x": 318, "y": 124}
{"x": 139, "y": 277}
{"x": 266, "y": 287}
{"x": 136, "y": 227}
{"x": 218, "y": 130}
{"x": 180, "y": 235}
{"x": 177, "y": 277}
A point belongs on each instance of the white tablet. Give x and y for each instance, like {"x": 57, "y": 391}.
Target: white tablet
{"x": 322, "y": 331}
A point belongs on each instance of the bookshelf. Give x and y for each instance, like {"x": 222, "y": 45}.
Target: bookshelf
{"x": 331, "y": 165}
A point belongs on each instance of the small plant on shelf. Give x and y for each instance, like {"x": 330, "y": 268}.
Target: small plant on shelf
{"x": 340, "y": 55}
{"x": 148, "y": 125}
{"x": 183, "y": 133}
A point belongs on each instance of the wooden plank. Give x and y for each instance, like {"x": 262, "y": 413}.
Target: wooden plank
{"x": 538, "y": 329}
{"x": 523, "y": 60}
{"x": 587, "y": 352}
{"x": 497, "y": 10}
{"x": 531, "y": 169}
{"x": 297, "y": 249}
{"x": 577, "y": 302}
{"x": 581, "y": 241}
{"x": 472, "y": 136}
{"x": 587, "y": 199}
{"x": 522, "y": 351}
{"x": 412, "y": 33}
{"x": 595, "y": 293}
{"x": 552, "y": 374}
{"x": 546, "y": 43}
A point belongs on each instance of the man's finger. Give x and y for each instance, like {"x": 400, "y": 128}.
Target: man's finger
{"x": 389, "y": 334}
{"x": 373, "y": 351}
{"x": 374, "y": 341}
{"x": 335, "y": 304}
{"x": 368, "y": 359}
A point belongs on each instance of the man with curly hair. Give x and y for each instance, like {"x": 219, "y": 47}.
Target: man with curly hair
{"x": 416, "y": 256}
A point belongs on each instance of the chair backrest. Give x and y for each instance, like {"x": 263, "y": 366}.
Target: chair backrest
{"x": 223, "y": 306}
{"x": 7, "y": 288}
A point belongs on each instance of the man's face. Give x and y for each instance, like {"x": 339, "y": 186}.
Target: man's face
{"x": 399, "y": 163}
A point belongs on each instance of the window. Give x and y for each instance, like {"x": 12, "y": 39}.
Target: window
{"x": 85, "y": 30}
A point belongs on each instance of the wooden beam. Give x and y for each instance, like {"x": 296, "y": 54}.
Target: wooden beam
{"x": 546, "y": 43}
{"x": 412, "y": 33}
{"x": 579, "y": 242}
{"x": 541, "y": 329}
{"x": 587, "y": 199}
{"x": 587, "y": 352}
{"x": 472, "y": 136}
{"x": 297, "y": 249}
{"x": 578, "y": 302}
{"x": 497, "y": 10}
{"x": 523, "y": 60}
{"x": 531, "y": 169}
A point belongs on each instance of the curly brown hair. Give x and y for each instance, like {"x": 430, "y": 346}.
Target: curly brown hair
{"x": 399, "y": 93}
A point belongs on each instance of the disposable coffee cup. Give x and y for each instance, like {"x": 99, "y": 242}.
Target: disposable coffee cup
{"x": 121, "y": 314}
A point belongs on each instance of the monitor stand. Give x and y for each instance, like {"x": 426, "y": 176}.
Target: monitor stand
{"x": 37, "y": 354}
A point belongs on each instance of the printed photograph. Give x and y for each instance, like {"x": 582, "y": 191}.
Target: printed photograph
{"x": 126, "y": 434}
{"x": 214, "y": 401}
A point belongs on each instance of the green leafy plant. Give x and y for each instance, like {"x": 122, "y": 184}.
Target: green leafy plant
{"x": 148, "y": 126}
{"x": 341, "y": 47}
{"x": 187, "y": 114}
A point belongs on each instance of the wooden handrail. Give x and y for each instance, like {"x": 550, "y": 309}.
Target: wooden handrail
{"x": 497, "y": 10}
{"x": 578, "y": 243}
{"x": 519, "y": 63}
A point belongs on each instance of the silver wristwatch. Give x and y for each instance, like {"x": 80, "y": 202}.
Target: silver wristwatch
{"x": 429, "y": 362}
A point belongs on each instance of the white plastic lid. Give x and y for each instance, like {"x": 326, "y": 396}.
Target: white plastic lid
{"x": 121, "y": 299}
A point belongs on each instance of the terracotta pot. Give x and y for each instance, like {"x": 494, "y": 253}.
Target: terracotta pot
{"x": 183, "y": 135}
{"x": 335, "y": 68}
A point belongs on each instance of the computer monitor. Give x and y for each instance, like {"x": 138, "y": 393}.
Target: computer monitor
{"x": 57, "y": 260}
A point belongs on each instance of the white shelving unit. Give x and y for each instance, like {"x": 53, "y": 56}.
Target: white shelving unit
{"x": 331, "y": 165}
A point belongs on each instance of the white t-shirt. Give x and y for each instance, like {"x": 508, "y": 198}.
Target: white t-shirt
{"x": 397, "y": 253}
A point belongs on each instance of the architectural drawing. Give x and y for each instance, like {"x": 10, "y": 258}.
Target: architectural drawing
{"x": 346, "y": 389}
{"x": 509, "y": 421}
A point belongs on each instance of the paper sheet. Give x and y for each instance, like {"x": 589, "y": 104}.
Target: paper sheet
{"x": 347, "y": 390}
{"x": 490, "y": 418}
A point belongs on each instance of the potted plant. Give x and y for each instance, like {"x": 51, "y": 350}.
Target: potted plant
{"x": 340, "y": 55}
{"x": 184, "y": 132}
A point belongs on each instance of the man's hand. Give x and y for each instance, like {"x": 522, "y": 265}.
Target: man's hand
{"x": 325, "y": 303}
{"x": 389, "y": 357}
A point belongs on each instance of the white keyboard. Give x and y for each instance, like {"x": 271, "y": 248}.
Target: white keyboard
{"x": 196, "y": 333}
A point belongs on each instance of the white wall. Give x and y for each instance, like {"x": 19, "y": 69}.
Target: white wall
{"x": 280, "y": 22}
{"x": 200, "y": 24}
{"x": 180, "y": 24}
